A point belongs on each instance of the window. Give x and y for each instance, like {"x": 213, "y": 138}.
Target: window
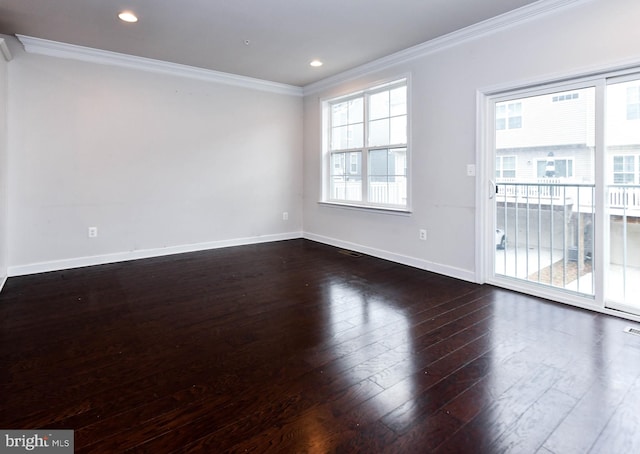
{"x": 565, "y": 97}
{"x": 505, "y": 166}
{"x": 552, "y": 167}
{"x": 633, "y": 103}
{"x": 508, "y": 116}
{"x": 367, "y": 147}
{"x": 624, "y": 169}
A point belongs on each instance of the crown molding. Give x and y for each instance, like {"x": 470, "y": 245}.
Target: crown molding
{"x": 479, "y": 30}
{"x": 5, "y": 50}
{"x": 88, "y": 54}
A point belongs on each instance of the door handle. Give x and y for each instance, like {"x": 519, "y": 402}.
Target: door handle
{"x": 493, "y": 189}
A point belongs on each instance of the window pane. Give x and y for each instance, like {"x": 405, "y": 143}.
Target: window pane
{"x": 509, "y": 162}
{"x": 505, "y": 166}
{"x": 398, "y": 130}
{"x": 398, "y": 162}
{"x": 339, "y": 138}
{"x": 346, "y": 189}
{"x": 379, "y": 132}
{"x": 618, "y": 163}
{"x": 378, "y": 162}
{"x": 356, "y": 110}
{"x": 346, "y": 176}
{"x": 515, "y": 122}
{"x": 339, "y": 114}
{"x": 628, "y": 163}
{"x": 508, "y": 115}
{"x": 388, "y": 190}
{"x": 355, "y": 163}
{"x": 623, "y": 198}
{"x": 338, "y": 164}
{"x": 379, "y": 105}
{"x": 355, "y": 136}
{"x": 399, "y": 101}
{"x": 561, "y": 168}
{"x": 624, "y": 169}
{"x": 633, "y": 102}
{"x": 387, "y": 176}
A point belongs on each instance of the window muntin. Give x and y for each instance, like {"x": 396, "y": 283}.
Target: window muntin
{"x": 367, "y": 149}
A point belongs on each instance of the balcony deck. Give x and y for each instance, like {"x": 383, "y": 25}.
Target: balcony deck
{"x": 523, "y": 263}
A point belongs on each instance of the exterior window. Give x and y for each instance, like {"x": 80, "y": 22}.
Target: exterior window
{"x": 505, "y": 166}
{"x": 624, "y": 169}
{"x": 566, "y": 97}
{"x": 554, "y": 167}
{"x": 508, "y": 116}
{"x": 355, "y": 164}
{"x": 633, "y": 103}
{"x": 368, "y": 130}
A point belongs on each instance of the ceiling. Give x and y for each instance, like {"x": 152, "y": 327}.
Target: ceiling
{"x": 272, "y": 40}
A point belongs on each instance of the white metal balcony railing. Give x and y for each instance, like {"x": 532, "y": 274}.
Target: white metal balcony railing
{"x": 620, "y": 197}
{"x": 549, "y": 229}
{"x": 549, "y": 232}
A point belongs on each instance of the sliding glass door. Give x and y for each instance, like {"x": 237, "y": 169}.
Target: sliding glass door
{"x": 544, "y": 189}
{"x": 623, "y": 193}
{"x": 565, "y": 191}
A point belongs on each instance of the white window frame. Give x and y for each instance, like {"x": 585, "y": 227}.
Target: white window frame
{"x": 327, "y": 151}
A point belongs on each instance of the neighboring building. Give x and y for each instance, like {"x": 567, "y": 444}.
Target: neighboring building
{"x": 545, "y": 148}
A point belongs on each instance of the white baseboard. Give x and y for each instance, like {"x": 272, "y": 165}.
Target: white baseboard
{"x": 56, "y": 265}
{"x": 458, "y": 273}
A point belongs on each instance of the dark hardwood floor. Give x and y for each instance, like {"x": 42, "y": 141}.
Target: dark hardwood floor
{"x": 295, "y": 347}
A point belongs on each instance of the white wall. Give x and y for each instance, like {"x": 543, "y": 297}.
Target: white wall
{"x": 4, "y": 81}
{"x": 444, "y": 84}
{"x": 158, "y": 163}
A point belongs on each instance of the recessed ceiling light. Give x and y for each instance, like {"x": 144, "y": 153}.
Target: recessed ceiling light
{"x": 316, "y": 63}
{"x": 128, "y": 16}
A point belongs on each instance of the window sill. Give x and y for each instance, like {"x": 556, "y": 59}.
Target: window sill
{"x": 370, "y": 209}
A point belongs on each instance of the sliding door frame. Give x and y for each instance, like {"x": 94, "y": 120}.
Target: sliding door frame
{"x": 485, "y": 159}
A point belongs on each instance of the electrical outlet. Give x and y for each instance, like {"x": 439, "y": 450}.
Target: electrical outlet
{"x": 422, "y": 234}
{"x": 285, "y": 216}
{"x": 471, "y": 170}
{"x": 93, "y": 232}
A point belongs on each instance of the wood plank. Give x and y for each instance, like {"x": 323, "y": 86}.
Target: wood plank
{"x": 294, "y": 347}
